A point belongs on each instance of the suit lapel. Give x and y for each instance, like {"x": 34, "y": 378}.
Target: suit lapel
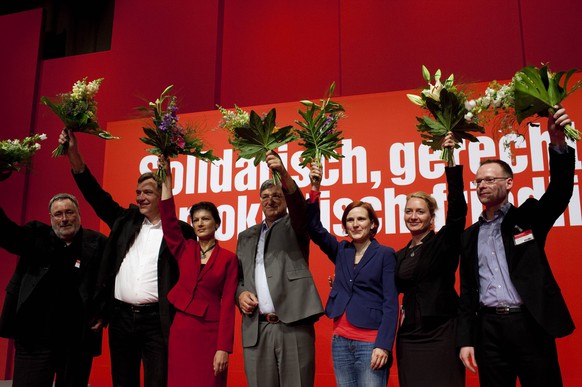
{"x": 472, "y": 248}
{"x": 507, "y": 232}
{"x": 249, "y": 249}
{"x": 368, "y": 255}
{"x": 211, "y": 261}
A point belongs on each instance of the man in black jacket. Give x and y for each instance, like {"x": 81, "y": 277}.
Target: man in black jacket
{"x": 511, "y": 308}
{"x": 49, "y": 309}
{"x": 137, "y": 273}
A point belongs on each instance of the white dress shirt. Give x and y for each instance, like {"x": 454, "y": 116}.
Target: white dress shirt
{"x": 263, "y": 293}
{"x": 137, "y": 279}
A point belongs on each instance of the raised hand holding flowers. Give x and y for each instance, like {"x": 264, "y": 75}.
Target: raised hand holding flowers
{"x": 446, "y": 105}
{"x": 318, "y": 132}
{"x": 77, "y": 110}
{"x": 15, "y": 154}
{"x": 257, "y": 136}
{"x": 167, "y": 136}
{"x": 538, "y": 90}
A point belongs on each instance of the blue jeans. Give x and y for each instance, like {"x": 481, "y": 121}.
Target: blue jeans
{"x": 351, "y": 364}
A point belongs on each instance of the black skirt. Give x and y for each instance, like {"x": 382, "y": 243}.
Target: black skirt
{"x": 426, "y": 354}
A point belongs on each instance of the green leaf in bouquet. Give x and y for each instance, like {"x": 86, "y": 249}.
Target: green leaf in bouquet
{"x": 537, "y": 91}
{"x": 317, "y": 132}
{"x": 249, "y": 137}
{"x": 260, "y": 136}
{"x": 432, "y": 126}
{"x": 532, "y": 95}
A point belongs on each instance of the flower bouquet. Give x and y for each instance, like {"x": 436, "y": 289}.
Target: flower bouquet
{"x": 254, "y": 137}
{"x": 77, "y": 110}
{"x": 538, "y": 90}
{"x": 231, "y": 119}
{"x": 15, "y": 154}
{"x": 318, "y": 131}
{"x": 167, "y": 136}
{"x": 496, "y": 108}
{"x": 446, "y": 105}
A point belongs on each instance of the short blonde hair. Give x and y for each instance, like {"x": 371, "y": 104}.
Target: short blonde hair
{"x": 430, "y": 201}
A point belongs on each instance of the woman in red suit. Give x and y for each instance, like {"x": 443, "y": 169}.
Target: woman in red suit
{"x": 202, "y": 333}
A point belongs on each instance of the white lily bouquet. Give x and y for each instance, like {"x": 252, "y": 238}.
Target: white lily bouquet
{"x": 447, "y": 113}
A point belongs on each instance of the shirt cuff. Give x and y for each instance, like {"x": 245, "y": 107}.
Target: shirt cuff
{"x": 313, "y": 196}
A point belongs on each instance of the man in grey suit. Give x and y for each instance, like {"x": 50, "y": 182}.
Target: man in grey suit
{"x": 276, "y": 292}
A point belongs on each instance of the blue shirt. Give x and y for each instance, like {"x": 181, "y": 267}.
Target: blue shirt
{"x": 495, "y": 286}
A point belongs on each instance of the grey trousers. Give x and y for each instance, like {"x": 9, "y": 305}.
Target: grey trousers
{"x": 283, "y": 357}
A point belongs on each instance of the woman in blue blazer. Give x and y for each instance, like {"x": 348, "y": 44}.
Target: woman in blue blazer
{"x": 363, "y": 301}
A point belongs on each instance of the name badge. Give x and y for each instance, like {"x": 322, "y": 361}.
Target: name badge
{"x": 523, "y": 237}
{"x": 78, "y": 263}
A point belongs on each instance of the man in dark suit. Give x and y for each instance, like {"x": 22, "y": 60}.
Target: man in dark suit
{"x": 137, "y": 273}
{"x": 48, "y": 309}
{"x": 511, "y": 308}
{"x": 276, "y": 292}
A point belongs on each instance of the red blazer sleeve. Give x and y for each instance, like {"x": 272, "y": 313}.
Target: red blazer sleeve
{"x": 227, "y": 305}
{"x": 171, "y": 228}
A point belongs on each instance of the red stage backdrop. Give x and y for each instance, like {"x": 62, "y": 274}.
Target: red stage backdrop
{"x": 383, "y": 161}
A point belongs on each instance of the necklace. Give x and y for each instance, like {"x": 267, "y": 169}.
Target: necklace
{"x": 414, "y": 248}
{"x": 203, "y": 252}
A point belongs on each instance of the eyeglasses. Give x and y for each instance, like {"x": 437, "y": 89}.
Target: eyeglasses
{"x": 276, "y": 197}
{"x": 66, "y": 214}
{"x": 488, "y": 180}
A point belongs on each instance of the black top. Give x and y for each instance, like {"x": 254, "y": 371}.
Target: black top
{"x": 427, "y": 279}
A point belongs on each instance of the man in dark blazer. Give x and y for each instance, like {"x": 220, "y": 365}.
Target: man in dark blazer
{"x": 49, "y": 306}
{"x": 276, "y": 291}
{"x": 511, "y": 308}
{"x": 137, "y": 273}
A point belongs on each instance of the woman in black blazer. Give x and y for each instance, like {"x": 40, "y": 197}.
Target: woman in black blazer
{"x": 425, "y": 273}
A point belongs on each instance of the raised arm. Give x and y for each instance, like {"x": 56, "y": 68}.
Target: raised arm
{"x": 319, "y": 235}
{"x": 457, "y": 204}
{"x": 170, "y": 225}
{"x": 164, "y": 164}
{"x": 101, "y": 201}
{"x": 74, "y": 155}
{"x": 293, "y": 196}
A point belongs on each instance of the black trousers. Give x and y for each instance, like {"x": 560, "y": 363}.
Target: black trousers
{"x": 515, "y": 346}
{"x": 136, "y": 336}
{"x": 36, "y": 365}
